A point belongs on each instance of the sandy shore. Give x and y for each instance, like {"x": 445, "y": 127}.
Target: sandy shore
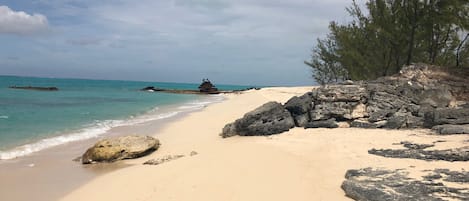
{"x": 297, "y": 165}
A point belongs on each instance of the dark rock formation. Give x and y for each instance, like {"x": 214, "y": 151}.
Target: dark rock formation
{"x": 441, "y": 116}
{"x": 458, "y": 154}
{"x": 388, "y": 185}
{"x": 300, "y": 108}
{"x": 35, "y": 88}
{"x": 448, "y": 129}
{"x": 208, "y": 87}
{"x": 270, "y": 118}
{"x": 126, "y": 147}
{"x": 416, "y": 97}
{"x": 330, "y": 123}
{"x": 411, "y": 145}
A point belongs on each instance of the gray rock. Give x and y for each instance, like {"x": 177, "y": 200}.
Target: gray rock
{"x": 338, "y": 110}
{"x": 457, "y": 154}
{"x": 448, "y": 129}
{"x": 270, "y": 118}
{"x": 300, "y": 108}
{"x": 341, "y": 93}
{"x": 119, "y": 148}
{"x": 359, "y": 123}
{"x": 411, "y": 145}
{"x": 439, "y": 97}
{"x": 441, "y": 116}
{"x": 330, "y": 123}
{"x": 388, "y": 185}
{"x": 396, "y": 121}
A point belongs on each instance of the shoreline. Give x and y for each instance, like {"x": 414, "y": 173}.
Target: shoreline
{"x": 51, "y": 173}
{"x": 301, "y": 164}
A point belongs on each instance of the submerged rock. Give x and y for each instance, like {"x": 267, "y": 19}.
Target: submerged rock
{"x": 270, "y": 118}
{"x": 119, "y": 148}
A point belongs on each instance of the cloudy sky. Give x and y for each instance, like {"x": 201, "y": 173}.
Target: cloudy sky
{"x": 261, "y": 42}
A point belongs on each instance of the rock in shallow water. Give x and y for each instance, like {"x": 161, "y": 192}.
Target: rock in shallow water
{"x": 119, "y": 148}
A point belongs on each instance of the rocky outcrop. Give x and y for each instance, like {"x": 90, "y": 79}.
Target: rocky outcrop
{"x": 416, "y": 97}
{"x": 447, "y": 129}
{"x": 119, "y": 148}
{"x": 441, "y": 116}
{"x": 457, "y": 154}
{"x": 270, "y": 118}
{"x": 300, "y": 108}
{"x": 370, "y": 184}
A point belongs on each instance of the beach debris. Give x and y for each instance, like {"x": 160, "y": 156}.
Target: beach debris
{"x": 193, "y": 153}
{"x": 456, "y": 154}
{"x": 164, "y": 159}
{"x": 387, "y": 185}
{"x": 270, "y": 118}
{"x": 119, "y": 148}
{"x": 77, "y": 159}
{"x": 31, "y": 165}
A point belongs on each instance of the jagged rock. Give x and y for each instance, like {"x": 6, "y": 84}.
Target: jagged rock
{"x": 457, "y": 154}
{"x": 440, "y": 97}
{"x": 300, "y": 108}
{"x": 448, "y": 129}
{"x": 341, "y": 93}
{"x": 441, "y": 116}
{"x": 119, "y": 148}
{"x": 396, "y": 121}
{"x": 270, "y": 118}
{"x": 330, "y": 123}
{"x": 388, "y": 185}
{"x": 411, "y": 145}
{"x": 360, "y": 123}
{"x": 338, "y": 110}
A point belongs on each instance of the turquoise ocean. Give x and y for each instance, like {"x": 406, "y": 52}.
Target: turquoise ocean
{"x": 81, "y": 109}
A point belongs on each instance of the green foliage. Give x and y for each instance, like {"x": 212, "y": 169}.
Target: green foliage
{"x": 393, "y": 33}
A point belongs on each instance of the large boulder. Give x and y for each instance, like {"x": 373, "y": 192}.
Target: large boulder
{"x": 119, "y": 148}
{"x": 270, "y": 118}
{"x": 300, "y": 108}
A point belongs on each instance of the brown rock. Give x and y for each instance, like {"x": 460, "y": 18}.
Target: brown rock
{"x": 125, "y": 147}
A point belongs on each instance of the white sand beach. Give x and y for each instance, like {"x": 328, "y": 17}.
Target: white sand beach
{"x": 301, "y": 164}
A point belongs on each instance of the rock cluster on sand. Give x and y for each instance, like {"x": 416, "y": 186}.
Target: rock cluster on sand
{"x": 419, "y": 96}
{"x": 125, "y": 147}
{"x": 388, "y": 185}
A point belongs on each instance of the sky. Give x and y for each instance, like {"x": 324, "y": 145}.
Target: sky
{"x": 243, "y": 42}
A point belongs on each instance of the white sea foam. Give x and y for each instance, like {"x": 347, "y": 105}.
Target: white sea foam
{"x": 100, "y": 128}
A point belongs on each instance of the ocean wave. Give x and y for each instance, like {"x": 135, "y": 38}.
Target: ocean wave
{"x": 83, "y": 134}
{"x": 4, "y": 117}
{"x": 100, "y": 128}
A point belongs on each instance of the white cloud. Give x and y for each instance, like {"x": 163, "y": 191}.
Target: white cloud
{"x": 19, "y": 22}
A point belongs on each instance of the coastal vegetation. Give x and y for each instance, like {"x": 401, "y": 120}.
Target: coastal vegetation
{"x": 389, "y": 34}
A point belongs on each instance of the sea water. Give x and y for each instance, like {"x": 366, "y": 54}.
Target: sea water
{"x": 31, "y": 121}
